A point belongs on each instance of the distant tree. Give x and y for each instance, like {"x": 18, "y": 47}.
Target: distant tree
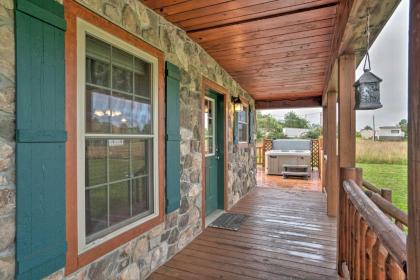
{"x": 291, "y": 119}
{"x": 403, "y": 124}
{"x": 268, "y": 127}
{"x": 368, "y": 127}
{"x": 313, "y": 133}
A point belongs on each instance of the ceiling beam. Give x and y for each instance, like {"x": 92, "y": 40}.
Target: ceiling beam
{"x": 288, "y": 104}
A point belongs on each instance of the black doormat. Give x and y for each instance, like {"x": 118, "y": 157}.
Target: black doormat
{"x": 229, "y": 221}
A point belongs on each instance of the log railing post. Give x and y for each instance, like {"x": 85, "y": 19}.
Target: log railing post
{"x": 346, "y": 219}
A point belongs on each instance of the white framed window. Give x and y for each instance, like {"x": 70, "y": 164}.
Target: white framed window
{"x": 243, "y": 125}
{"x": 117, "y": 137}
{"x": 209, "y": 127}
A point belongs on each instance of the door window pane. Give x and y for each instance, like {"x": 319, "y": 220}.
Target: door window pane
{"x": 209, "y": 123}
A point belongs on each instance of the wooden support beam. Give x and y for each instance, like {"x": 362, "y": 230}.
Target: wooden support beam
{"x": 283, "y": 104}
{"x": 324, "y": 146}
{"x": 332, "y": 162}
{"x": 346, "y": 112}
{"x": 414, "y": 143}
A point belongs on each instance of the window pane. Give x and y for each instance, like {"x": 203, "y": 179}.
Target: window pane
{"x": 98, "y": 72}
{"x": 140, "y": 196}
{"x": 208, "y": 145}
{"x": 122, "y": 79}
{"x": 98, "y": 49}
{"x": 95, "y": 164}
{"x": 96, "y": 210}
{"x": 209, "y": 128}
{"x": 243, "y": 132}
{"x": 97, "y": 110}
{"x": 242, "y": 116}
{"x": 140, "y": 150}
{"x": 142, "y": 116}
{"x": 121, "y": 113}
{"x": 142, "y": 78}
{"x": 119, "y": 159}
{"x": 119, "y": 202}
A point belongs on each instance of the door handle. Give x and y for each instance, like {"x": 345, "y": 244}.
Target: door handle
{"x": 217, "y": 157}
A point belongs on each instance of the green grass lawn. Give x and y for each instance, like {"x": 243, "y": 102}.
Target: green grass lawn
{"x": 390, "y": 176}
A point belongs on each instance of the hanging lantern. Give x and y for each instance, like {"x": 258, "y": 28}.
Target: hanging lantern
{"x": 237, "y": 104}
{"x": 367, "y": 86}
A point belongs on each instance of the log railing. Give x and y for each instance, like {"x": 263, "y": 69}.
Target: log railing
{"x": 383, "y": 199}
{"x": 370, "y": 245}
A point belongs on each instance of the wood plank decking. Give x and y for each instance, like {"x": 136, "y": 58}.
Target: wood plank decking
{"x": 287, "y": 236}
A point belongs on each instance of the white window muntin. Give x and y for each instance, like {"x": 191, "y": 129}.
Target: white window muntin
{"x": 84, "y": 29}
{"x": 207, "y": 117}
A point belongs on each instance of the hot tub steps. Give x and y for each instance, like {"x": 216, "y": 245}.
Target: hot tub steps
{"x": 290, "y": 170}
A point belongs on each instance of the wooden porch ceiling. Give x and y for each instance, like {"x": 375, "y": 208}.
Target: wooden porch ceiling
{"x": 275, "y": 49}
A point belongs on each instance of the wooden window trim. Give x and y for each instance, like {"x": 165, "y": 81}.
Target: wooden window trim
{"x": 74, "y": 261}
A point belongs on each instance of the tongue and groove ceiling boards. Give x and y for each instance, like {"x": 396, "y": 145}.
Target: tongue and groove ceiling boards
{"x": 274, "y": 49}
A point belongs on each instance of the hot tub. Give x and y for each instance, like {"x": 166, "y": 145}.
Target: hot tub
{"x": 287, "y": 152}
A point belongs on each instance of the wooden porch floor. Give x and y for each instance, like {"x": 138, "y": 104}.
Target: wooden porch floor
{"x": 286, "y": 236}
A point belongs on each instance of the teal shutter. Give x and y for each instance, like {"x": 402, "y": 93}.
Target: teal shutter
{"x": 173, "y": 138}
{"x": 235, "y": 128}
{"x": 251, "y": 126}
{"x": 40, "y": 138}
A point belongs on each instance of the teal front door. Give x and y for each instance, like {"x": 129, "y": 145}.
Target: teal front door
{"x": 213, "y": 146}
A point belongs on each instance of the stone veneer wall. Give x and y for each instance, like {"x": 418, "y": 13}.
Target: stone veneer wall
{"x": 7, "y": 144}
{"x": 139, "y": 257}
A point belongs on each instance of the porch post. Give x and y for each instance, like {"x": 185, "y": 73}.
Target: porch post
{"x": 332, "y": 171}
{"x": 346, "y": 112}
{"x": 413, "y": 242}
{"x": 324, "y": 147}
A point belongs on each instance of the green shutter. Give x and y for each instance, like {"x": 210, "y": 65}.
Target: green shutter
{"x": 173, "y": 138}
{"x": 251, "y": 126}
{"x": 40, "y": 138}
{"x": 235, "y": 128}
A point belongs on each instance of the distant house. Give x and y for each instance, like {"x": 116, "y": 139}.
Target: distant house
{"x": 390, "y": 133}
{"x": 294, "y": 132}
{"x": 366, "y": 134}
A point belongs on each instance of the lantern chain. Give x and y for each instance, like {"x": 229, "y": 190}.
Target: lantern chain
{"x": 367, "y": 59}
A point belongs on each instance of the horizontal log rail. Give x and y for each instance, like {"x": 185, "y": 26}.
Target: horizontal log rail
{"x": 388, "y": 208}
{"x": 371, "y": 187}
{"x": 383, "y": 199}
{"x": 371, "y": 246}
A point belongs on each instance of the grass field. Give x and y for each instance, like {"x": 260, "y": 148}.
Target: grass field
{"x": 368, "y": 151}
{"x": 390, "y": 176}
{"x": 385, "y": 165}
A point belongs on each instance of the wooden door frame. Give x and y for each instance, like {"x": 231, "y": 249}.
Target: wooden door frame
{"x": 206, "y": 85}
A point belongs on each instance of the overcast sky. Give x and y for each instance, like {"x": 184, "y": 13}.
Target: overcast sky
{"x": 389, "y": 58}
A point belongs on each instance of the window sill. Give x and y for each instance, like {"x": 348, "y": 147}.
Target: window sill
{"x": 243, "y": 145}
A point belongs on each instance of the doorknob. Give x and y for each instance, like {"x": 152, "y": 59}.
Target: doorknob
{"x": 217, "y": 157}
